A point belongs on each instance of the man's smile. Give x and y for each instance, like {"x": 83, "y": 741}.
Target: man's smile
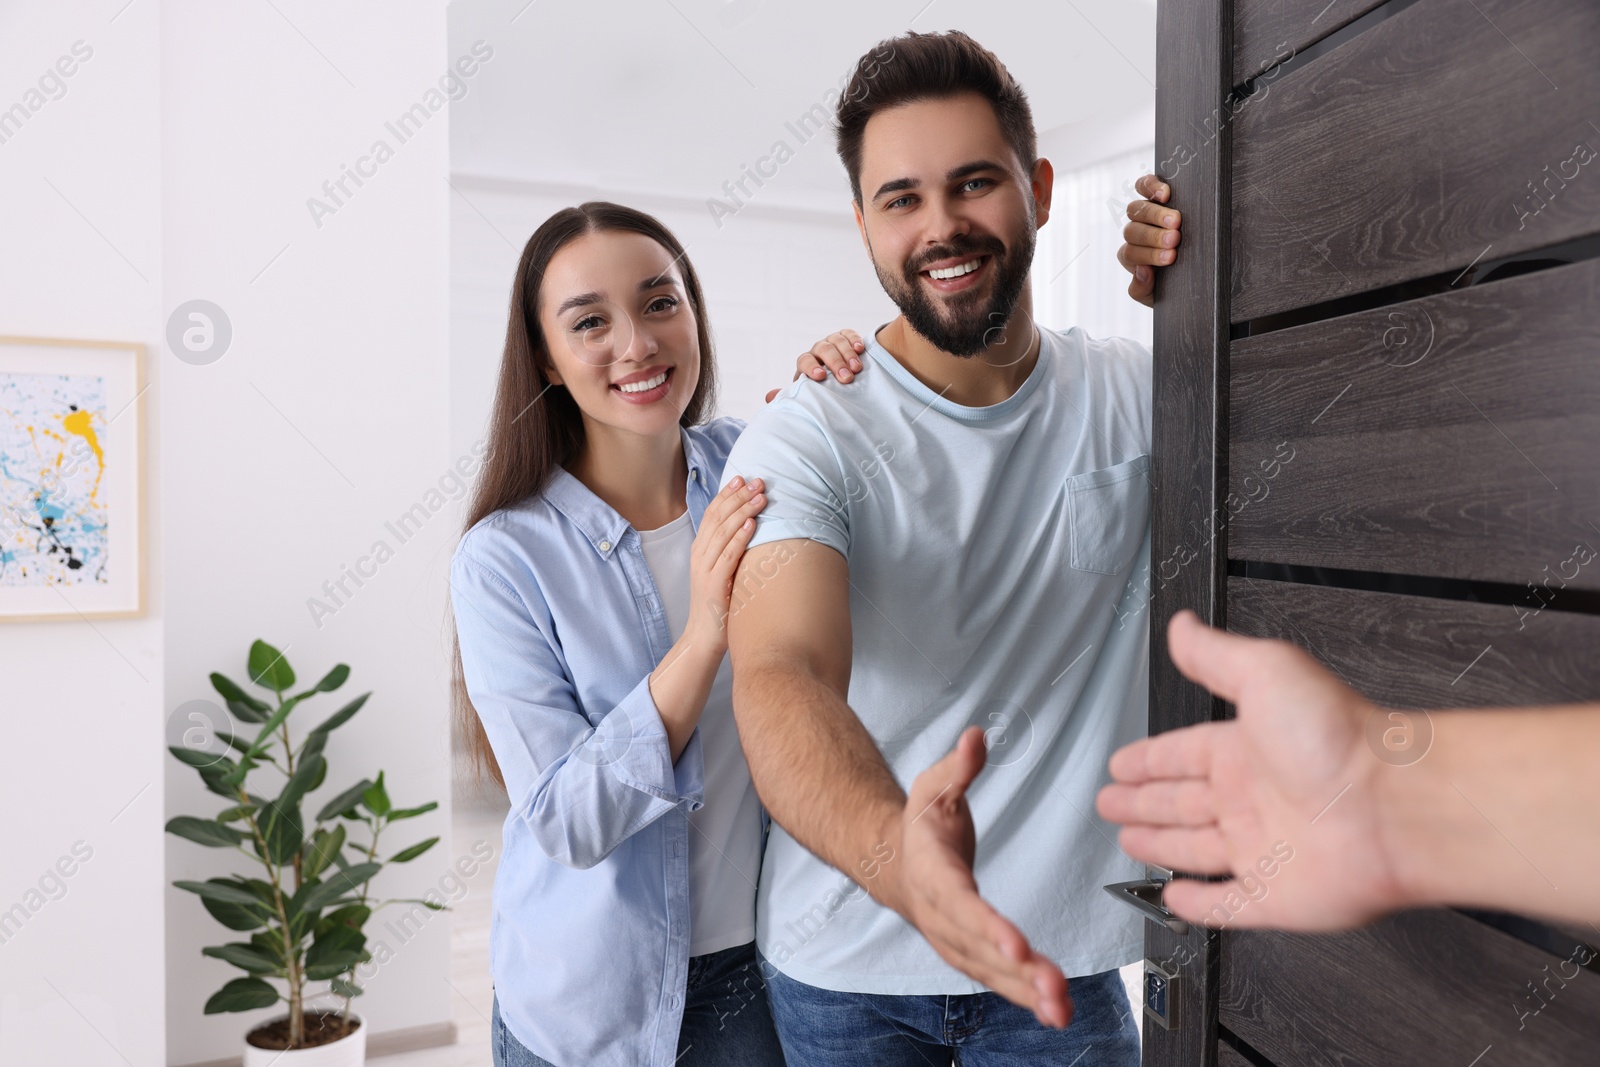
{"x": 956, "y": 274}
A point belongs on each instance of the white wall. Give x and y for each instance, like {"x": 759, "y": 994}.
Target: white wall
{"x": 1077, "y": 280}
{"x": 327, "y": 418}
{"x": 679, "y": 97}
{"x": 177, "y": 164}
{"x": 83, "y": 703}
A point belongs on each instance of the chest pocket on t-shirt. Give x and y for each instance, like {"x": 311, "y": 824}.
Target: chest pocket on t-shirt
{"x": 1109, "y": 509}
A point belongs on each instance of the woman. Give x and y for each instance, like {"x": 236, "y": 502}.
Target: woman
{"x": 589, "y": 595}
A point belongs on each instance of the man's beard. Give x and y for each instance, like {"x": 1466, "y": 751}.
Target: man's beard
{"x": 968, "y": 324}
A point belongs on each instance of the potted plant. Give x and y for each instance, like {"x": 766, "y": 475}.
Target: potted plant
{"x": 305, "y": 917}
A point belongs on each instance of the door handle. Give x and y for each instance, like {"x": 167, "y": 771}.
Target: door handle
{"x": 1144, "y": 896}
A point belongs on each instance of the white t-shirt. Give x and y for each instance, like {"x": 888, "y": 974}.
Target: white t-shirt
{"x": 999, "y": 574}
{"x": 725, "y": 834}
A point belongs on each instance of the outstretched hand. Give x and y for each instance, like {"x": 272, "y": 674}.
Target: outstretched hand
{"x": 936, "y": 891}
{"x": 1283, "y": 798}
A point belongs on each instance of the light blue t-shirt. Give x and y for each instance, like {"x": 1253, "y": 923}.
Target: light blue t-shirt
{"x": 999, "y": 564}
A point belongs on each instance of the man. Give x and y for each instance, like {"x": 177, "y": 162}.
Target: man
{"x": 952, "y": 551}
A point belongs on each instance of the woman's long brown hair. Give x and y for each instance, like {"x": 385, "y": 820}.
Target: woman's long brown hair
{"x": 534, "y": 426}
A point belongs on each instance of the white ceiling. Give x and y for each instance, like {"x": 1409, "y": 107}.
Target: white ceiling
{"x": 675, "y": 96}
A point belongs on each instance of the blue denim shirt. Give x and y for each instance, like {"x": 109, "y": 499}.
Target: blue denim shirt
{"x": 560, "y": 625}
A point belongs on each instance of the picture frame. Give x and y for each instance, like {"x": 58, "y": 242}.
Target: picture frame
{"x": 72, "y": 479}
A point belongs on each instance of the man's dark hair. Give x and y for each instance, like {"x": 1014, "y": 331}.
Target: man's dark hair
{"x": 922, "y": 66}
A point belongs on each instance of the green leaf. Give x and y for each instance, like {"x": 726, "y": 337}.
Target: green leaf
{"x": 334, "y": 965}
{"x": 345, "y": 801}
{"x": 196, "y": 757}
{"x": 429, "y": 904}
{"x": 376, "y": 798}
{"x": 313, "y": 746}
{"x": 341, "y": 902}
{"x": 246, "y": 957}
{"x": 237, "y": 917}
{"x": 352, "y": 878}
{"x": 235, "y": 777}
{"x": 262, "y": 889}
{"x": 324, "y": 846}
{"x": 233, "y": 741}
{"x": 230, "y": 691}
{"x": 300, "y": 783}
{"x": 246, "y": 713}
{"x": 215, "y": 778}
{"x": 269, "y": 942}
{"x": 407, "y": 813}
{"x": 337, "y": 938}
{"x": 330, "y": 681}
{"x": 414, "y": 851}
{"x": 234, "y": 915}
{"x": 221, "y": 890}
{"x": 352, "y": 915}
{"x": 344, "y": 988}
{"x": 342, "y": 716}
{"x": 314, "y": 896}
{"x": 237, "y": 812}
{"x": 334, "y": 952}
{"x": 268, "y": 667}
{"x": 301, "y": 924}
{"x": 270, "y": 727}
{"x": 242, "y": 994}
{"x": 204, "y": 831}
{"x": 283, "y": 830}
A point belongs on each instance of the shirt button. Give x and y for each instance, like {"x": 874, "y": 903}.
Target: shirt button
{"x": 694, "y": 476}
{"x": 605, "y": 546}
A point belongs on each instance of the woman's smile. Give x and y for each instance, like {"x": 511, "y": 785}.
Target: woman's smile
{"x": 646, "y": 386}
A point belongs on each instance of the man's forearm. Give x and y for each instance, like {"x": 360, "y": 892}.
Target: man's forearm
{"x": 818, "y": 771}
{"x": 1502, "y": 812}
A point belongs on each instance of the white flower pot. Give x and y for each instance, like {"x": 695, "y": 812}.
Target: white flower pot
{"x": 348, "y": 1051}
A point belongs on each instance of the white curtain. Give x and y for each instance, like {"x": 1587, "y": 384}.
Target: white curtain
{"x": 1077, "y": 280}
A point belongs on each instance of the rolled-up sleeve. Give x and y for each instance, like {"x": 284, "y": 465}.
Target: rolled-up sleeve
{"x": 584, "y": 783}
{"x": 803, "y": 479}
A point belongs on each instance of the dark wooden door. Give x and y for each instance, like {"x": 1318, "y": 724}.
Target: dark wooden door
{"x": 1377, "y": 397}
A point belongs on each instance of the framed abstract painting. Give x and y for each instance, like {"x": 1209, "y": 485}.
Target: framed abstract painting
{"x": 71, "y": 479}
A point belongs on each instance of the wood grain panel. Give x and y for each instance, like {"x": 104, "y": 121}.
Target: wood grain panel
{"x": 1453, "y": 435}
{"x": 1420, "y": 988}
{"x": 1226, "y": 1057}
{"x": 1422, "y": 652}
{"x": 1418, "y": 148}
{"x": 1189, "y": 344}
{"x": 1267, "y": 31}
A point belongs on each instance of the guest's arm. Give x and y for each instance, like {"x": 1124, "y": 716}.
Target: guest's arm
{"x": 1500, "y": 809}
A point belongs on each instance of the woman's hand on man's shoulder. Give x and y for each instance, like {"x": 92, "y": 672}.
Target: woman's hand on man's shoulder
{"x": 838, "y": 354}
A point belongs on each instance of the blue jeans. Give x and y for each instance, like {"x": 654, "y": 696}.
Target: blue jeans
{"x": 824, "y": 1028}
{"x": 726, "y": 1022}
